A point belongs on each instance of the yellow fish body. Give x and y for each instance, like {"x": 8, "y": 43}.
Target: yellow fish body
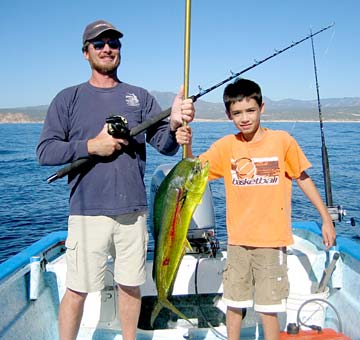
{"x": 175, "y": 202}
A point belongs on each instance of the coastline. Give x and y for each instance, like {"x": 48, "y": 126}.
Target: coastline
{"x": 204, "y": 120}
{"x": 201, "y": 120}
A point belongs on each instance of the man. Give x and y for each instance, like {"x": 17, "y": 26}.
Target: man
{"x": 107, "y": 200}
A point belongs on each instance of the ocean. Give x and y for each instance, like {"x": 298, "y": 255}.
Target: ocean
{"x": 30, "y": 208}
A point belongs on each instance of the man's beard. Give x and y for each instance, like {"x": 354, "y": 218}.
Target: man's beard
{"x": 105, "y": 69}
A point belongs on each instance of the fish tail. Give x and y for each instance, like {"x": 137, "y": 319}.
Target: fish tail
{"x": 154, "y": 314}
{"x": 166, "y": 303}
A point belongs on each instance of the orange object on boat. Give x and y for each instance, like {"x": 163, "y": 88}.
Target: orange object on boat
{"x": 325, "y": 333}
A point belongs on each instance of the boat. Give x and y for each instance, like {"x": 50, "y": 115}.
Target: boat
{"x": 323, "y": 301}
{"x": 322, "y": 304}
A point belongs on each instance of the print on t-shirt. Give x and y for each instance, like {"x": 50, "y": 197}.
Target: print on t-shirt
{"x": 255, "y": 171}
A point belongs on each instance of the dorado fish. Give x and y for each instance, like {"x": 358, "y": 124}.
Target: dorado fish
{"x": 174, "y": 204}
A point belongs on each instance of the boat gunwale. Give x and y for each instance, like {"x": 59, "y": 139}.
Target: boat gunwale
{"x": 343, "y": 244}
{"x": 45, "y": 244}
{"x": 22, "y": 259}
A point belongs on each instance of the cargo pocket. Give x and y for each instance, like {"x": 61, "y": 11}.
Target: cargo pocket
{"x": 278, "y": 283}
{"x": 225, "y": 272}
{"x": 71, "y": 255}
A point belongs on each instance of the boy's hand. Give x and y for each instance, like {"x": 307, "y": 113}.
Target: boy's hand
{"x": 184, "y": 135}
{"x": 328, "y": 233}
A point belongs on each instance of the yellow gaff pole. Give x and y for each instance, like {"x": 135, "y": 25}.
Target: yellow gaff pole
{"x": 186, "y": 59}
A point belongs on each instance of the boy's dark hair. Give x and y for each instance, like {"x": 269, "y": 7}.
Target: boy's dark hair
{"x": 238, "y": 90}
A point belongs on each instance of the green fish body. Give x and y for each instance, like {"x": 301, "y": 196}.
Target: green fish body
{"x": 175, "y": 202}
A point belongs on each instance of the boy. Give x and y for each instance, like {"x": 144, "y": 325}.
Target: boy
{"x": 258, "y": 166}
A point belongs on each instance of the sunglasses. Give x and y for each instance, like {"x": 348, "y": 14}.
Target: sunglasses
{"x": 100, "y": 44}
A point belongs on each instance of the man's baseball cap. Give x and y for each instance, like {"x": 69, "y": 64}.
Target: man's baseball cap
{"x": 98, "y": 27}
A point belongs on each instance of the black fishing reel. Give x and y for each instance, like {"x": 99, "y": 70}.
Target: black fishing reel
{"x": 118, "y": 126}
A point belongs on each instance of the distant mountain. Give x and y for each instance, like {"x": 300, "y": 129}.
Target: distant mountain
{"x": 204, "y": 110}
{"x": 23, "y": 114}
{"x": 346, "y": 109}
{"x": 343, "y": 109}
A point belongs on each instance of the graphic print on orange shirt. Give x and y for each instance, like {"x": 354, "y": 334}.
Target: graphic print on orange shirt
{"x": 255, "y": 171}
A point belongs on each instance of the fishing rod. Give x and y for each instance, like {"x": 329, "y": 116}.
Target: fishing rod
{"x": 186, "y": 60}
{"x": 257, "y": 63}
{"x": 337, "y": 212}
{"x": 81, "y": 163}
{"x": 324, "y": 153}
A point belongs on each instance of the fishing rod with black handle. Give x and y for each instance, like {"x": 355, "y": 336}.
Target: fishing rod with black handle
{"x": 324, "y": 153}
{"x": 337, "y": 213}
{"x": 117, "y": 127}
{"x": 80, "y": 163}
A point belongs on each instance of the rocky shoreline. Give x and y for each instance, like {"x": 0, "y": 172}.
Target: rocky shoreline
{"x": 18, "y": 119}
{"x": 335, "y": 109}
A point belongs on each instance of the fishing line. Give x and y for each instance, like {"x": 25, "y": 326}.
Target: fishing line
{"x": 326, "y": 50}
{"x": 213, "y": 329}
{"x": 330, "y": 42}
{"x": 292, "y": 128}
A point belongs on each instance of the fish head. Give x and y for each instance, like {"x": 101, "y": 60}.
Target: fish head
{"x": 197, "y": 175}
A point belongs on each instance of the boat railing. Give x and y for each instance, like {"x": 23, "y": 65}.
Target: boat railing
{"x": 343, "y": 244}
{"x": 38, "y": 248}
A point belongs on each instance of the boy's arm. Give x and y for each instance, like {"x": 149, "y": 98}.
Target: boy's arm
{"x": 309, "y": 189}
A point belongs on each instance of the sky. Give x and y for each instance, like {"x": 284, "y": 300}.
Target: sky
{"x": 41, "y": 54}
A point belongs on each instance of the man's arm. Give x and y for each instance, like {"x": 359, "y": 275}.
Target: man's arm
{"x": 162, "y": 135}
{"x": 308, "y": 187}
{"x": 54, "y": 147}
{"x": 181, "y": 110}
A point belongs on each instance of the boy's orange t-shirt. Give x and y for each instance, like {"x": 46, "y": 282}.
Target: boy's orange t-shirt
{"x": 258, "y": 179}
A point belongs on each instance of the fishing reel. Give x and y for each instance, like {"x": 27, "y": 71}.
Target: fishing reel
{"x": 118, "y": 126}
{"x": 338, "y": 214}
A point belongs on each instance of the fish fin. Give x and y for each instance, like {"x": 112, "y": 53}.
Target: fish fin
{"x": 154, "y": 314}
{"x": 166, "y": 303}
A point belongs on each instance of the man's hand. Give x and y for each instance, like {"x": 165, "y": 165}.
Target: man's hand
{"x": 104, "y": 144}
{"x": 182, "y": 110}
